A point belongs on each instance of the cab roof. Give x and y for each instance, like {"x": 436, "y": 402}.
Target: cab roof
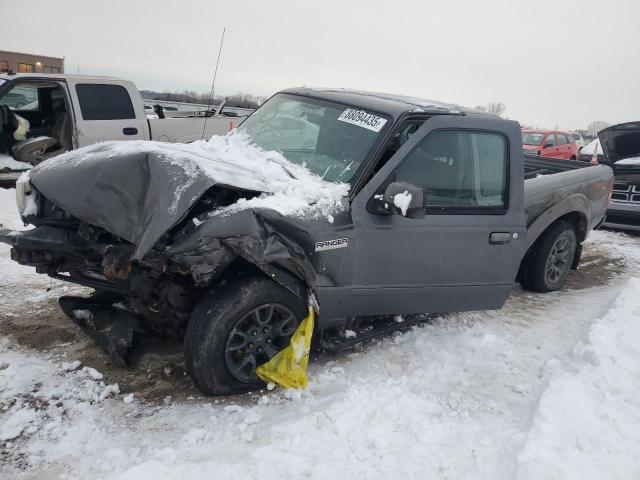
{"x": 53, "y": 76}
{"x": 384, "y": 102}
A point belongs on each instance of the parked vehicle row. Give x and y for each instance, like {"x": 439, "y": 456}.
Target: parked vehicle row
{"x": 550, "y": 143}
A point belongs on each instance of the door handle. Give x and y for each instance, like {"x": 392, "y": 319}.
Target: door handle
{"x": 130, "y": 131}
{"x": 499, "y": 238}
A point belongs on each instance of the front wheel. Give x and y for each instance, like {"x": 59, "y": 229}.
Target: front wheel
{"x": 236, "y": 328}
{"x": 550, "y": 260}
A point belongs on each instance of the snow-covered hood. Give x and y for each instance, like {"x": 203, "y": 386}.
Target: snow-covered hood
{"x": 620, "y": 141}
{"x": 138, "y": 190}
{"x": 630, "y": 162}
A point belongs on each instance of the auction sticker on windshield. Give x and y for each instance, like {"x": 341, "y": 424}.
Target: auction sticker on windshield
{"x": 362, "y": 119}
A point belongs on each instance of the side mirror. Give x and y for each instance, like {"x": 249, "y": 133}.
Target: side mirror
{"x": 403, "y": 198}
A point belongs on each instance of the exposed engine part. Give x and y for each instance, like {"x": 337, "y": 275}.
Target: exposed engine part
{"x": 166, "y": 303}
{"x": 117, "y": 263}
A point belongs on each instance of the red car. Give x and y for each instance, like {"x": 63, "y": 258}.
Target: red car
{"x": 549, "y": 143}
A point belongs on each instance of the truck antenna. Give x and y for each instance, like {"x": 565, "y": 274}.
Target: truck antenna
{"x": 213, "y": 84}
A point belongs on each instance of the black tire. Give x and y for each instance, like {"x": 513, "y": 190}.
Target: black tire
{"x": 212, "y": 352}
{"x": 548, "y": 264}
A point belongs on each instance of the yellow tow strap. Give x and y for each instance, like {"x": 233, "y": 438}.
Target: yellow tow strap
{"x": 288, "y": 367}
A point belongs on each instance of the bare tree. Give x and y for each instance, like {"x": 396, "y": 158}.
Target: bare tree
{"x": 241, "y": 100}
{"x": 595, "y": 126}
{"x": 481, "y": 108}
{"x": 497, "y": 108}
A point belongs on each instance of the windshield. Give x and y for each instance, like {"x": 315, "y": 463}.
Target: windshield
{"x": 329, "y": 139}
{"x": 529, "y": 138}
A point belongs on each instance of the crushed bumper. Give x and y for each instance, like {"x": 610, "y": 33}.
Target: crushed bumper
{"x": 46, "y": 248}
{"x": 115, "y": 330}
{"x": 44, "y": 237}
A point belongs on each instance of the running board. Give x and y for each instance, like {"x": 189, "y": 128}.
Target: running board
{"x": 377, "y": 328}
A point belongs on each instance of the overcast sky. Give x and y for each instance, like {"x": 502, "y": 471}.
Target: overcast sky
{"x": 551, "y": 62}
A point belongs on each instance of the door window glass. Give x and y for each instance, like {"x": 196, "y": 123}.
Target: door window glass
{"x": 550, "y": 141}
{"x": 458, "y": 169}
{"x": 562, "y": 139}
{"x": 23, "y": 97}
{"x": 104, "y": 102}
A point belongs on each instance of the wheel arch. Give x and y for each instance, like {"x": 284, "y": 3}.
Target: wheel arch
{"x": 241, "y": 267}
{"x": 568, "y": 213}
{"x": 574, "y": 209}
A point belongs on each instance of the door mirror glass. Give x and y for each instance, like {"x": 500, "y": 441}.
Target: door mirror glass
{"x": 404, "y": 198}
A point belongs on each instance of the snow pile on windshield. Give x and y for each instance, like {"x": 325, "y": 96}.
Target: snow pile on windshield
{"x": 231, "y": 160}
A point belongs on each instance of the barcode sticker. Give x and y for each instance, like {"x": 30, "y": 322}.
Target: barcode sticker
{"x": 362, "y": 119}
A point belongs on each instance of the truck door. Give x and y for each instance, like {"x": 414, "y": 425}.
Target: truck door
{"x": 465, "y": 253}
{"x": 106, "y": 112}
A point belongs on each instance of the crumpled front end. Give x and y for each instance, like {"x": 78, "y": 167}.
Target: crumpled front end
{"x": 151, "y": 238}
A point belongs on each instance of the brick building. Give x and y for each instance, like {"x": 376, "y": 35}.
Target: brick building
{"x": 29, "y": 63}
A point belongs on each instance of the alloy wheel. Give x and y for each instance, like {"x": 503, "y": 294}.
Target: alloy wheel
{"x": 256, "y": 338}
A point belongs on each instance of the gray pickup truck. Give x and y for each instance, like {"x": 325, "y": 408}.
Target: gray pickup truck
{"x": 443, "y": 214}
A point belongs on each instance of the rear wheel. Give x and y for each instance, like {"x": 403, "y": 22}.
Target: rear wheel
{"x": 236, "y": 328}
{"x": 550, "y": 260}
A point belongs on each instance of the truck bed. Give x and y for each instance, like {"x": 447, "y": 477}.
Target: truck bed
{"x": 550, "y": 182}
{"x": 535, "y": 165}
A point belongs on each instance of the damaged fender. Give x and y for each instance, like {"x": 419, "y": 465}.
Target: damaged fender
{"x": 126, "y": 194}
{"x": 275, "y": 244}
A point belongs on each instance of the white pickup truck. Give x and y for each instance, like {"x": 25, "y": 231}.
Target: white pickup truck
{"x": 65, "y": 112}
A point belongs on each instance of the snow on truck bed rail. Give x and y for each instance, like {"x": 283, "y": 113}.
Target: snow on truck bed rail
{"x": 231, "y": 160}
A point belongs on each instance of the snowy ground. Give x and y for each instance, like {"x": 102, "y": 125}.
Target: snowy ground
{"x": 545, "y": 388}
